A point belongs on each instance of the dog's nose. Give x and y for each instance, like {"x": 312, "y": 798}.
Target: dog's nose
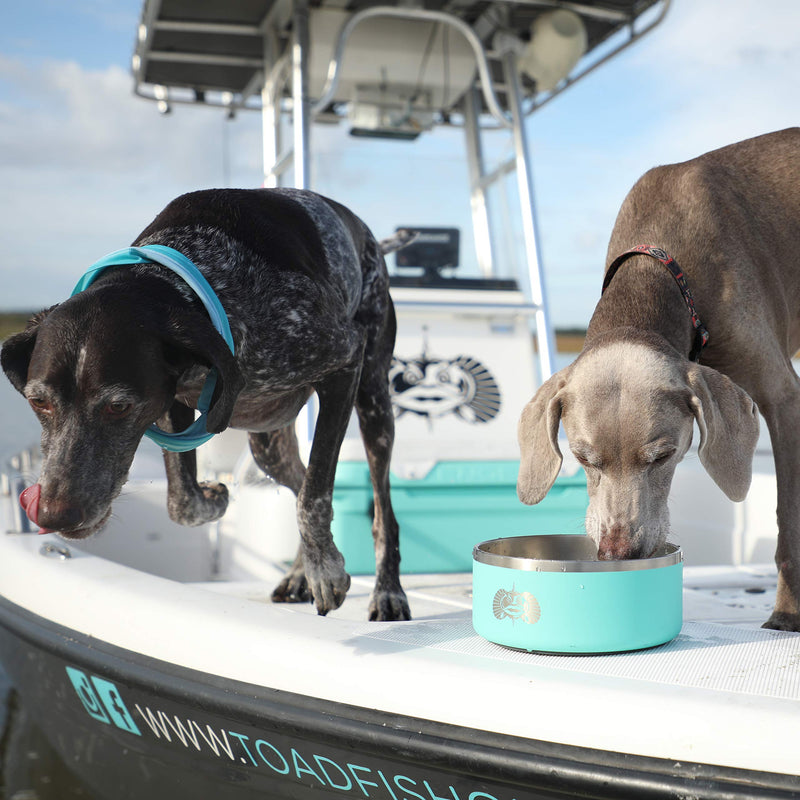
{"x": 58, "y": 516}
{"x": 615, "y": 543}
{"x": 29, "y": 500}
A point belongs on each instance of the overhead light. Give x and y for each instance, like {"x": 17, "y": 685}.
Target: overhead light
{"x": 558, "y": 40}
{"x": 161, "y": 94}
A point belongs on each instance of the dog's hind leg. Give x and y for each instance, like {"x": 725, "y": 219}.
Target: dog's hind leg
{"x": 189, "y": 502}
{"x": 376, "y": 419}
{"x": 278, "y": 456}
{"x": 781, "y": 410}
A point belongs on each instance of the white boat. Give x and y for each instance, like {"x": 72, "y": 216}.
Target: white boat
{"x": 160, "y": 668}
{"x": 151, "y": 657}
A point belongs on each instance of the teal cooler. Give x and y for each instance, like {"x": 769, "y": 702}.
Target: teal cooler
{"x": 443, "y": 515}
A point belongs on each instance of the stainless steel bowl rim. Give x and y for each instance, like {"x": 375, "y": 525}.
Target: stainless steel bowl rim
{"x": 668, "y": 555}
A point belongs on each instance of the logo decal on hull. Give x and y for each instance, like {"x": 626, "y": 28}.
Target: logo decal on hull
{"x": 102, "y": 700}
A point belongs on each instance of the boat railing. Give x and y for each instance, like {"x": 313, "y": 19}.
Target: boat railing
{"x": 13, "y": 480}
{"x": 467, "y": 309}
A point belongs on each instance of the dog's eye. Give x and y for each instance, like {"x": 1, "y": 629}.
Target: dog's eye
{"x": 585, "y": 462}
{"x": 40, "y": 405}
{"x": 660, "y": 458}
{"x": 119, "y": 409}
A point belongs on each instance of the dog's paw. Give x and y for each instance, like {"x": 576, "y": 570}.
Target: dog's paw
{"x": 781, "y": 621}
{"x": 389, "y": 605}
{"x": 325, "y": 585}
{"x": 292, "y": 589}
{"x": 329, "y": 591}
{"x": 327, "y": 580}
{"x": 207, "y": 505}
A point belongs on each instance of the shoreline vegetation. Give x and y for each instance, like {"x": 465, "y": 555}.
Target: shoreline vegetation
{"x": 567, "y": 341}
{"x": 13, "y": 322}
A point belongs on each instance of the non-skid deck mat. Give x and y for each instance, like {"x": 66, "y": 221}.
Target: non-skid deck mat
{"x": 704, "y": 656}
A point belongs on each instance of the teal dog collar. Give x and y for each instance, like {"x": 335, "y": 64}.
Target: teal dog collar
{"x": 197, "y": 433}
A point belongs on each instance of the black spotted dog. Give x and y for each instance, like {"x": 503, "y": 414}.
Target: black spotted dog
{"x": 306, "y": 292}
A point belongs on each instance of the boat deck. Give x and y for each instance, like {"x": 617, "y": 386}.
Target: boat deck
{"x": 734, "y": 596}
{"x": 722, "y": 645}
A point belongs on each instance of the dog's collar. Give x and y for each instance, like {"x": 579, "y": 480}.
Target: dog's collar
{"x": 701, "y": 334}
{"x": 197, "y": 433}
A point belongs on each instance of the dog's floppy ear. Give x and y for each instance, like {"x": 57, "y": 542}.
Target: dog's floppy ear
{"x": 18, "y": 349}
{"x": 192, "y": 339}
{"x": 540, "y": 457}
{"x": 728, "y": 421}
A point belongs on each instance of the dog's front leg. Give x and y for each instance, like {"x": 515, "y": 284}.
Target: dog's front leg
{"x": 323, "y": 563}
{"x": 189, "y": 502}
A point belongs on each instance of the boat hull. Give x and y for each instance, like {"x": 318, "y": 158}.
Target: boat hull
{"x": 130, "y": 726}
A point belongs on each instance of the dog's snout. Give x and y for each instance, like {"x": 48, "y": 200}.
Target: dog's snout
{"x": 50, "y": 516}
{"x": 57, "y": 515}
{"x": 616, "y": 543}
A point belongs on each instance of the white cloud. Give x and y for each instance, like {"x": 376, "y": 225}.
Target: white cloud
{"x": 90, "y": 121}
{"x": 85, "y": 166}
{"x": 701, "y": 33}
{"x": 721, "y": 74}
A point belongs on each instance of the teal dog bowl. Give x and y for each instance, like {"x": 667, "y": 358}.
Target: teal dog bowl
{"x": 550, "y": 594}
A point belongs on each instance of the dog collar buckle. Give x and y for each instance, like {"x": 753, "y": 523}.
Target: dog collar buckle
{"x": 197, "y": 433}
{"x": 701, "y": 333}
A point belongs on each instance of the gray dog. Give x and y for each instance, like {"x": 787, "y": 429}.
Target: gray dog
{"x": 305, "y": 289}
{"x": 672, "y": 345}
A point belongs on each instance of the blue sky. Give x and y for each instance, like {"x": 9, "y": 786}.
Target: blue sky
{"x": 84, "y": 165}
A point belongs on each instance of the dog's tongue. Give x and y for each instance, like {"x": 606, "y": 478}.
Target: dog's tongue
{"x": 29, "y": 500}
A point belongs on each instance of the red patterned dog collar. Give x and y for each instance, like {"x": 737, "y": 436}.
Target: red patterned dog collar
{"x": 701, "y": 334}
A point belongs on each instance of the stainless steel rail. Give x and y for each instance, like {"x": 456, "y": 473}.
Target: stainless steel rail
{"x": 335, "y": 66}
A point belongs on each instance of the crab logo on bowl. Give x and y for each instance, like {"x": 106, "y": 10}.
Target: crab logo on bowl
{"x": 434, "y": 387}
{"x": 515, "y": 606}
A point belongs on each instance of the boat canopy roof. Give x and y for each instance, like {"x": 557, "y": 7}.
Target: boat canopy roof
{"x": 220, "y": 52}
